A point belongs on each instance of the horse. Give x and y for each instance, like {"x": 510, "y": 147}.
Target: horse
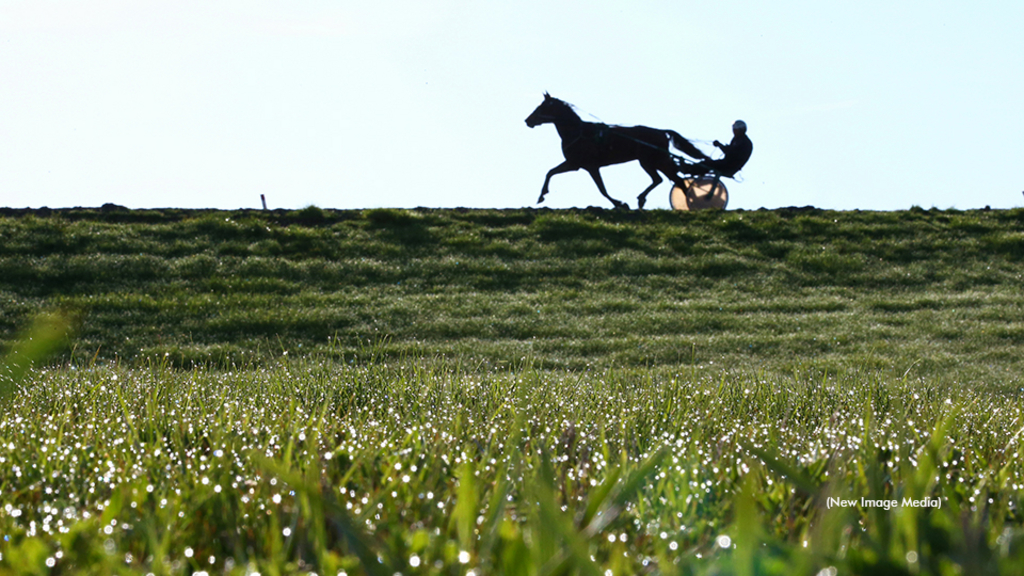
{"x": 589, "y": 145}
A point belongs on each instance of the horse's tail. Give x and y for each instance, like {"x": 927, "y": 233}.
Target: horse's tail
{"x": 683, "y": 144}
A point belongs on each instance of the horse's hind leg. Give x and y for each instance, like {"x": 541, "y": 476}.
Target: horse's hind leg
{"x": 596, "y": 175}
{"x": 672, "y": 170}
{"x": 655, "y": 180}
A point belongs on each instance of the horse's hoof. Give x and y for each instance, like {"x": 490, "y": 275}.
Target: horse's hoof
{"x": 640, "y": 201}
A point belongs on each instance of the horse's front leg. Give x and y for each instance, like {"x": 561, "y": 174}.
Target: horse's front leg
{"x": 596, "y": 175}
{"x": 560, "y": 169}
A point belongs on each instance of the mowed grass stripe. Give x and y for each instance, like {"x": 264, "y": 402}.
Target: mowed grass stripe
{"x": 935, "y": 289}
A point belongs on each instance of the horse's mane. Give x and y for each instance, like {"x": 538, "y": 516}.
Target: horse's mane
{"x": 565, "y": 106}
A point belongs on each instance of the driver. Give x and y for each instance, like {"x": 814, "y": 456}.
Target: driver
{"x": 736, "y": 152}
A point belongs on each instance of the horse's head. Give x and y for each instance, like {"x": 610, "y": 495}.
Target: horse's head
{"x": 551, "y": 110}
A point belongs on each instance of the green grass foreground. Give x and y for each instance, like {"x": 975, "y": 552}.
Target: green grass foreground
{"x": 512, "y": 392}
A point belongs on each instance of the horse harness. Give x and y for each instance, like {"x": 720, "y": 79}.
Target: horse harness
{"x": 601, "y": 134}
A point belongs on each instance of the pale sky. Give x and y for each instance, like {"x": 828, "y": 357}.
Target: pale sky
{"x": 874, "y": 105}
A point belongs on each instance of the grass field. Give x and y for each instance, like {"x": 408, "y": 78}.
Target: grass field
{"x": 515, "y": 392}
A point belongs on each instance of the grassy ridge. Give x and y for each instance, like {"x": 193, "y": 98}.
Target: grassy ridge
{"x": 512, "y": 392}
{"x": 783, "y": 289}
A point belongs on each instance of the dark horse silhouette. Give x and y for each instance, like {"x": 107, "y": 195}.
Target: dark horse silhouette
{"x": 590, "y": 146}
